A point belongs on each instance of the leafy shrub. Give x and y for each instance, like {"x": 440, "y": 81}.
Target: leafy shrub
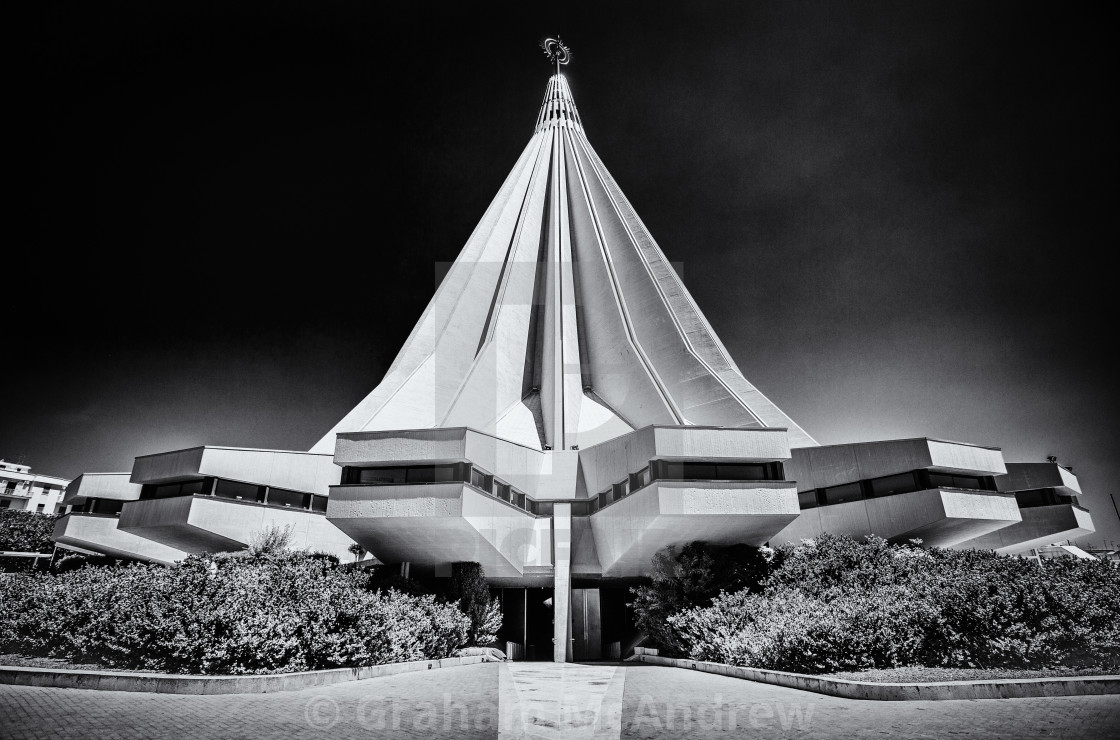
{"x": 270, "y": 540}
{"x": 225, "y": 614}
{"x": 26, "y": 531}
{"x": 691, "y": 576}
{"x": 469, "y": 590}
{"x": 838, "y": 604}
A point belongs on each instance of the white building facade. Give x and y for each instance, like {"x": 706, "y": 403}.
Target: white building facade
{"x": 562, "y": 411}
{"x": 22, "y": 490}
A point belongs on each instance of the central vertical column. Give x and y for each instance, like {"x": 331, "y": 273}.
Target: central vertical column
{"x": 554, "y": 384}
{"x": 562, "y": 596}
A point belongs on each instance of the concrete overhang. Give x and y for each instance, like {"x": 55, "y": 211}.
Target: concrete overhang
{"x": 628, "y": 532}
{"x": 299, "y": 471}
{"x": 441, "y": 523}
{"x": 938, "y": 517}
{"x": 539, "y": 474}
{"x": 1030, "y": 476}
{"x": 610, "y": 462}
{"x": 200, "y": 524}
{"x": 1040, "y": 526}
{"x": 100, "y": 534}
{"x": 833, "y": 465}
{"x": 116, "y": 486}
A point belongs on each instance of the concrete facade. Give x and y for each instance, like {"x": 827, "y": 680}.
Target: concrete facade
{"x": 561, "y": 412}
{"x": 22, "y": 490}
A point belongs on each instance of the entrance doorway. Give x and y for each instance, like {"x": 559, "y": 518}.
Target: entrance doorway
{"x": 587, "y": 629}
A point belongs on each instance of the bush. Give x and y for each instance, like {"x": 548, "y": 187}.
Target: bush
{"x": 26, "y": 531}
{"x": 838, "y": 604}
{"x": 225, "y": 614}
{"x": 688, "y": 577}
{"x": 470, "y": 592}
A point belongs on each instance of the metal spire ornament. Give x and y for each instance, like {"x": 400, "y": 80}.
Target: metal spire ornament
{"x": 557, "y": 52}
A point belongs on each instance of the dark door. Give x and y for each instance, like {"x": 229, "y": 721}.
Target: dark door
{"x": 587, "y": 630}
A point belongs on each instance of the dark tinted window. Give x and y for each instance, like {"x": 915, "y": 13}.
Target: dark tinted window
{"x": 1041, "y": 497}
{"x": 237, "y": 490}
{"x": 842, "y": 494}
{"x": 807, "y": 499}
{"x": 717, "y": 471}
{"x": 319, "y": 503}
{"x": 105, "y": 506}
{"x": 381, "y": 475}
{"x": 283, "y": 497}
{"x": 431, "y": 474}
{"x": 892, "y": 484}
{"x": 946, "y": 480}
{"x": 480, "y": 479}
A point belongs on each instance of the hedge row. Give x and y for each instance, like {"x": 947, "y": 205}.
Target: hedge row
{"x": 235, "y": 614}
{"x": 836, "y": 604}
{"x": 26, "y": 531}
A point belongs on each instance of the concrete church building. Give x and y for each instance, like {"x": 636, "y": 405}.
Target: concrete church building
{"x": 562, "y": 411}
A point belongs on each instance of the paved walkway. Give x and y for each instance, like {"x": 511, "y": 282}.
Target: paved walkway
{"x": 542, "y": 700}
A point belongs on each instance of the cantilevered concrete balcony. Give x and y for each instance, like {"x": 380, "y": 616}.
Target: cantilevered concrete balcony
{"x": 299, "y": 471}
{"x": 1040, "y": 526}
{"x": 441, "y": 523}
{"x": 938, "y": 517}
{"x": 820, "y": 467}
{"x": 629, "y": 531}
{"x": 199, "y": 524}
{"x": 1032, "y": 476}
{"x": 100, "y": 486}
{"x": 99, "y": 533}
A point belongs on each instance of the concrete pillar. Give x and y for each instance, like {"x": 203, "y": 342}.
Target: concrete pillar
{"x": 562, "y": 596}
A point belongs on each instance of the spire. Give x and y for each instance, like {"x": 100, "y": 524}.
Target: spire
{"x": 561, "y": 323}
{"x": 558, "y": 107}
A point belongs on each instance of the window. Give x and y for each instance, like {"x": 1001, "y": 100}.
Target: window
{"x": 581, "y": 508}
{"x": 104, "y": 506}
{"x": 40, "y": 508}
{"x": 666, "y": 470}
{"x": 947, "y": 480}
{"x": 237, "y": 490}
{"x": 893, "y": 484}
{"x": 5, "y": 503}
{"x": 640, "y": 479}
{"x": 807, "y": 499}
{"x": 621, "y": 489}
{"x": 541, "y": 508}
{"x": 286, "y": 498}
{"x": 480, "y": 479}
{"x": 190, "y": 488}
{"x": 1042, "y": 497}
{"x": 170, "y": 490}
{"x": 433, "y": 474}
{"x": 319, "y": 503}
{"x": 842, "y": 494}
{"x": 502, "y": 491}
{"x": 381, "y": 475}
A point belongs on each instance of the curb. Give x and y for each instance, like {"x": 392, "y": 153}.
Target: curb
{"x": 166, "y": 683}
{"x": 1020, "y": 688}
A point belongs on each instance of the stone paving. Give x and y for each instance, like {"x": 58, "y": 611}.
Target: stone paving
{"x": 542, "y": 700}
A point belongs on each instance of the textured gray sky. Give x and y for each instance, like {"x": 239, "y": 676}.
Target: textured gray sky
{"x": 890, "y": 212}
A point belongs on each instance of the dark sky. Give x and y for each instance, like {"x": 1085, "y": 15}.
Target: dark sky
{"x": 229, "y": 215}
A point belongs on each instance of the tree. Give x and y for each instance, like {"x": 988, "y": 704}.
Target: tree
{"x": 469, "y": 589}
{"x": 691, "y": 576}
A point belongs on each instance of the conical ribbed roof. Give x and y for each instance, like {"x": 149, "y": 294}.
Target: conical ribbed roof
{"x": 561, "y": 323}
